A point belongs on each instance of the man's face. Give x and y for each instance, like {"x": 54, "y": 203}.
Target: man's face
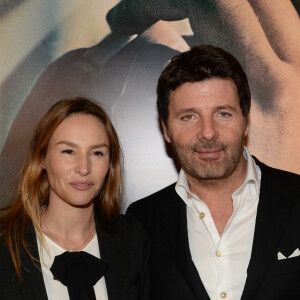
{"x": 206, "y": 128}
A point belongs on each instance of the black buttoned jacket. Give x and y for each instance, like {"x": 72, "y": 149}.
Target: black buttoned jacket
{"x": 123, "y": 245}
{"x": 173, "y": 274}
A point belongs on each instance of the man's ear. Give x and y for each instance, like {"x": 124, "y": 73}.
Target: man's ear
{"x": 247, "y": 125}
{"x": 166, "y": 132}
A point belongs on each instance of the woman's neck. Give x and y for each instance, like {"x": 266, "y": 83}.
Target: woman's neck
{"x": 69, "y": 227}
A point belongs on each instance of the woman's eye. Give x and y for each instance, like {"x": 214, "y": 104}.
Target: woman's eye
{"x": 67, "y": 151}
{"x": 98, "y": 153}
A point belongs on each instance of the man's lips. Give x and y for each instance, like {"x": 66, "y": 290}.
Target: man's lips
{"x": 209, "y": 153}
{"x": 81, "y": 185}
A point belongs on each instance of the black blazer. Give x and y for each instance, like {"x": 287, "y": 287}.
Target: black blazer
{"x": 173, "y": 274}
{"x": 122, "y": 245}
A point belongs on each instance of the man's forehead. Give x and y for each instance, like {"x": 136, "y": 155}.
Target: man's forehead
{"x": 205, "y": 82}
{"x": 212, "y": 89}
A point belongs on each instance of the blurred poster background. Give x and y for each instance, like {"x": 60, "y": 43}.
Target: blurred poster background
{"x": 113, "y": 52}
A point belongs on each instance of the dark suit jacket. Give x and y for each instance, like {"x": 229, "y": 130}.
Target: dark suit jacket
{"x": 173, "y": 274}
{"x": 123, "y": 246}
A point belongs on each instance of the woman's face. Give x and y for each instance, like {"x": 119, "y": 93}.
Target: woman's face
{"x": 77, "y": 160}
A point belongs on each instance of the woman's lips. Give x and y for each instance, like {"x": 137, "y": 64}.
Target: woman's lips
{"x": 81, "y": 185}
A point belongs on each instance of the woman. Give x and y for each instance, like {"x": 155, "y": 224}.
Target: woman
{"x": 67, "y": 215}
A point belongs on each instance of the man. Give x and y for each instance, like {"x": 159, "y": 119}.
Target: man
{"x": 229, "y": 228}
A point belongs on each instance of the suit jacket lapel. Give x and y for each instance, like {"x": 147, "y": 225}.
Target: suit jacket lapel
{"x": 35, "y": 286}
{"x": 109, "y": 253}
{"x": 33, "y": 279}
{"x": 272, "y": 215}
{"x": 173, "y": 213}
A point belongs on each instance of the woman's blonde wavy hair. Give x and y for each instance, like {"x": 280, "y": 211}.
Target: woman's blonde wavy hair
{"x": 33, "y": 189}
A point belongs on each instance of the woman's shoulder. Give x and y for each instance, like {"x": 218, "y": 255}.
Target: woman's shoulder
{"x": 6, "y": 264}
{"x": 3, "y": 247}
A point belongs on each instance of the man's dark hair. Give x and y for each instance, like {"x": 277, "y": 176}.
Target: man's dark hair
{"x": 198, "y": 64}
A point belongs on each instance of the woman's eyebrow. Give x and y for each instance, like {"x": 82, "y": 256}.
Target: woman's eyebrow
{"x": 74, "y": 145}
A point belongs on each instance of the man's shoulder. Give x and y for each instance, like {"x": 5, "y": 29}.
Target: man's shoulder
{"x": 155, "y": 198}
{"x": 147, "y": 211}
{"x": 148, "y": 207}
{"x": 277, "y": 175}
{"x": 279, "y": 181}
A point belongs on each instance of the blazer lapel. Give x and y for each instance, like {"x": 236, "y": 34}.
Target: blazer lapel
{"x": 272, "y": 215}
{"x": 173, "y": 213}
{"x": 33, "y": 279}
{"x": 109, "y": 252}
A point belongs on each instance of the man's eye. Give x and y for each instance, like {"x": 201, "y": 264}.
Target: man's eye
{"x": 68, "y": 151}
{"x": 224, "y": 114}
{"x": 187, "y": 117}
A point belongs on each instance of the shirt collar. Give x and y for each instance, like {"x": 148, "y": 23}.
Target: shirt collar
{"x": 253, "y": 177}
{"x": 253, "y": 173}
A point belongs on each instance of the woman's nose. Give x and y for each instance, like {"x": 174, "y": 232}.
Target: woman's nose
{"x": 83, "y": 166}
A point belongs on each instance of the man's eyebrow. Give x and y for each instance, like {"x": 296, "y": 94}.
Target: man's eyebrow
{"x": 185, "y": 110}
{"x": 67, "y": 143}
{"x": 226, "y": 107}
{"x": 192, "y": 110}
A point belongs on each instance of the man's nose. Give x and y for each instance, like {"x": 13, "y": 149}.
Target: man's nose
{"x": 207, "y": 129}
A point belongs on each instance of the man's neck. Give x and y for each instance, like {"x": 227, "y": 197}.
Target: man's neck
{"x": 217, "y": 193}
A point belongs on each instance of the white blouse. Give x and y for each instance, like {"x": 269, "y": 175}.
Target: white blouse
{"x": 55, "y": 289}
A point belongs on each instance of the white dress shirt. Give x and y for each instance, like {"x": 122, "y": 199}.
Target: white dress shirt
{"x": 222, "y": 261}
{"x": 54, "y": 288}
